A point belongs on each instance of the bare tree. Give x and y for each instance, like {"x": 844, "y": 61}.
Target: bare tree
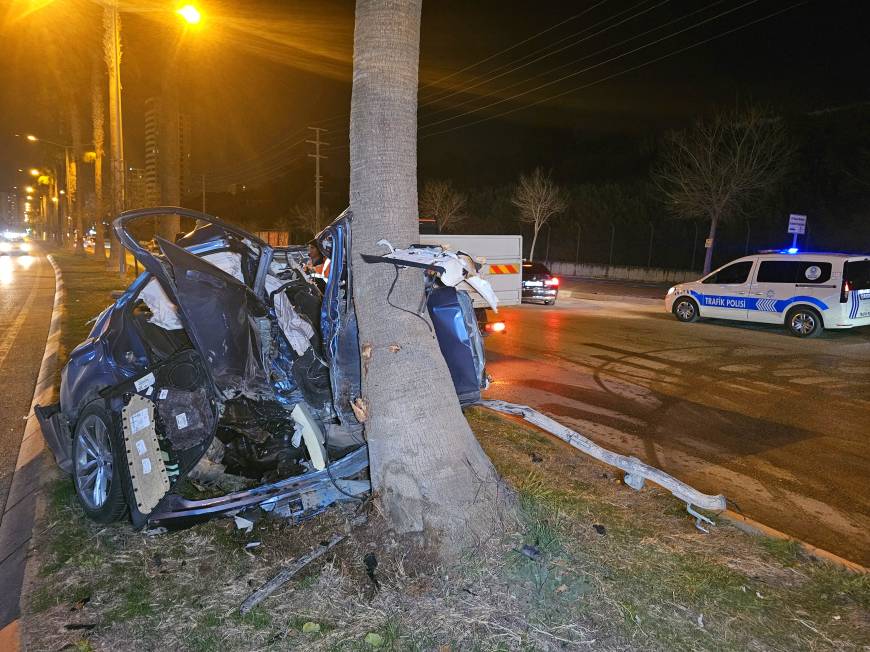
{"x": 305, "y": 217}
{"x": 441, "y": 201}
{"x": 716, "y": 170}
{"x": 538, "y": 198}
{"x": 428, "y": 471}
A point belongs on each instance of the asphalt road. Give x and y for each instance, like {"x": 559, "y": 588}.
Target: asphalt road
{"x": 26, "y": 299}
{"x": 606, "y": 288}
{"x": 780, "y": 425}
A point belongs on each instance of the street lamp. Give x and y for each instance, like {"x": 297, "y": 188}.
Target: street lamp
{"x": 190, "y": 14}
{"x": 34, "y": 172}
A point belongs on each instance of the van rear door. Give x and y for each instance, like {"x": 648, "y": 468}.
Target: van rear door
{"x": 856, "y": 290}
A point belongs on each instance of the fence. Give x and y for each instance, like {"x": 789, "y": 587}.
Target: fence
{"x": 623, "y": 272}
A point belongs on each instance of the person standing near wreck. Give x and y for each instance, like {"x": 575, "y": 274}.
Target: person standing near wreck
{"x": 318, "y": 264}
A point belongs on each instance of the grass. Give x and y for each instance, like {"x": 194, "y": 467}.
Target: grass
{"x": 643, "y": 579}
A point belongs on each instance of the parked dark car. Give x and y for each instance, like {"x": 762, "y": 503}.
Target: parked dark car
{"x": 539, "y": 284}
{"x": 224, "y": 364}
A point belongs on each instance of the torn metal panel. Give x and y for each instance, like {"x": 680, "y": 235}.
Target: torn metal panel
{"x": 145, "y": 459}
{"x": 284, "y": 495}
{"x": 631, "y": 465}
{"x": 222, "y": 313}
{"x": 452, "y": 268}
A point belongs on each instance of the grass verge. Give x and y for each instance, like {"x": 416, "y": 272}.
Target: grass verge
{"x": 614, "y": 569}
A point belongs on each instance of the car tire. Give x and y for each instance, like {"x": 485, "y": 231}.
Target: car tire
{"x": 96, "y": 465}
{"x": 686, "y": 310}
{"x": 804, "y": 321}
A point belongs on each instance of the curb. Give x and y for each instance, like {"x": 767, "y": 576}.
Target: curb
{"x": 18, "y": 517}
{"x": 760, "y": 529}
{"x": 625, "y": 298}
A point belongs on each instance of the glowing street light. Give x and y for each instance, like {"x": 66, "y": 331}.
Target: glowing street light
{"x": 28, "y": 188}
{"x": 32, "y": 138}
{"x": 34, "y": 172}
{"x": 190, "y": 14}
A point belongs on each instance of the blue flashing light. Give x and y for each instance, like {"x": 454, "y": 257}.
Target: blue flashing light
{"x": 790, "y": 250}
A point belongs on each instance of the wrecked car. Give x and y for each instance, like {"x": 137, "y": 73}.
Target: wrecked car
{"x": 224, "y": 378}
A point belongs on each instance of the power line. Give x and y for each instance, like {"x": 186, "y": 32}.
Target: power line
{"x": 513, "y": 47}
{"x": 623, "y": 72}
{"x": 252, "y": 163}
{"x": 583, "y": 58}
{"x": 593, "y": 66}
{"x": 511, "y": 67}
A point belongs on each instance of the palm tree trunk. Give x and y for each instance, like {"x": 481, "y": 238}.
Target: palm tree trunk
{"x": 708, "y": 256}
{"x": 428, "y": 471}
{"x": 97, "y": 122}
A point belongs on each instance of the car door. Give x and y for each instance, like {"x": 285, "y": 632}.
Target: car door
{"x": 226, "y": 320}
{"x": 778, "y": 284}
{"x": 724, "y": 294}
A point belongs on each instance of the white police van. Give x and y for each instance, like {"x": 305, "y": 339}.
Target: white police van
{"x": 806, "y": 292}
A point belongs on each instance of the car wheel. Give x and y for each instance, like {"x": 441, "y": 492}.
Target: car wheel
{"x": 686, "y": 310}
{"x": 96, "y": 474}
{"x": 804, "y": 322}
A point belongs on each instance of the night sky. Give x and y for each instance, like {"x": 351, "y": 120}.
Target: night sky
{"x": 504, "y": 85}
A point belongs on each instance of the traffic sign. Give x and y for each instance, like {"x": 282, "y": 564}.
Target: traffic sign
{"x": 708, "y": 243}
{"x": 797, "y": 224}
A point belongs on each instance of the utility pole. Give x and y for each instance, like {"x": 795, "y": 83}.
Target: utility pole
{"x": 318, "y": 180}
{"x": 203, "y": 193}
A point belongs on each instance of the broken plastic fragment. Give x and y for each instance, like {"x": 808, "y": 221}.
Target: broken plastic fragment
{"x": 312, "y": 434}
{"x": 244, "y": 524}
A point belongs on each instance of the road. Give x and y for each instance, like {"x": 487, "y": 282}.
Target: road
{"x": 777, "y": 424}
{"x": 26, "y": 299}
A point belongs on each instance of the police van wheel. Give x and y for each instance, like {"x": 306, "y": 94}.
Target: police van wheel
{"x": 804, "y": 322}
{"x": 686, "y": 310}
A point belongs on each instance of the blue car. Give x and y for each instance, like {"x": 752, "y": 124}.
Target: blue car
{"x": 229, "y": 369}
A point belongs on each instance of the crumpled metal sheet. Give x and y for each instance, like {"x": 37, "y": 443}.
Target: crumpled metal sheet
{"x": 453, "y": 268}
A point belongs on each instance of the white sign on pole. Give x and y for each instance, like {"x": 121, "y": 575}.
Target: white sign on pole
{"x": 708, "y": 243}
{"x": 797, "y": 224}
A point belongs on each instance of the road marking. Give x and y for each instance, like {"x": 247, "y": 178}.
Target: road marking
{"x": 12, "y": 332}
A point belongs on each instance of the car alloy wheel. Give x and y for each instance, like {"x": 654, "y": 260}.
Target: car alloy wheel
{"x": 685, "y": 310}
{"x": 804, "y": 323}
{"x": 93, "y": 462}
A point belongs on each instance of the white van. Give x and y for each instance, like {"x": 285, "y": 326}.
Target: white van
{"x": 806, "y": 292}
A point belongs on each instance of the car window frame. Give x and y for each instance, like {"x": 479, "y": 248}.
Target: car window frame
{"x": 709, "y": 279}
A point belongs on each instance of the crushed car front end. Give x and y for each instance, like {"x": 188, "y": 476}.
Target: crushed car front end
{"x": 222, "y": 381}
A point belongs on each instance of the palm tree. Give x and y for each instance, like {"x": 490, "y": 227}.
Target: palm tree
{"x": 428, "y": 471}
{"x": 97, "y": 120}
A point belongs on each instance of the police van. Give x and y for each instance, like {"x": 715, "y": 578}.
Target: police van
{"x": 806, "y": 292}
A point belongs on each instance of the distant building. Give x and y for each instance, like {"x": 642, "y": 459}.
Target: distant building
{"x": 167, "y": 152}
{"x": 167, "y": 176}
{"x": 137, "y": 188}
{"x": 11, "y": 210}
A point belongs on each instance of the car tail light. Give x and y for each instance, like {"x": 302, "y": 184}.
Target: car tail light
{"x": 494, "y": 327}
{"x": 553, "y": 282}
{"x": 844, "y": 295}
